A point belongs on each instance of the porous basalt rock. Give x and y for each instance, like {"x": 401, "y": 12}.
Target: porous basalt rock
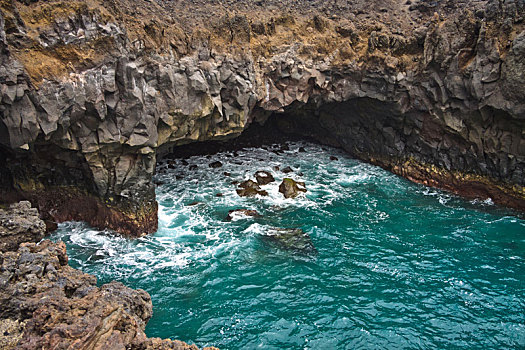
{"x": 46, "y": 304}
{"x": 92, "y": 92}
{"x": 18, "y": 224}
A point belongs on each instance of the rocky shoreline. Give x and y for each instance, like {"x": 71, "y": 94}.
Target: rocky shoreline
{"x": 46, "y": 304}
{"x": 93, "y": 92}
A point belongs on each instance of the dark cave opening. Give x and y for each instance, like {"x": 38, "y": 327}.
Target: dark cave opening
{"x": 477, "y": 154}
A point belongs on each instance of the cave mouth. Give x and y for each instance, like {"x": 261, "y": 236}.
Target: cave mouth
{"x": 336, "y": 267}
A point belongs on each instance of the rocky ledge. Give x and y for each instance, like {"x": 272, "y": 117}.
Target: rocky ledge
{"x": 46, "y": 304}
{"x": 92, "y": 92}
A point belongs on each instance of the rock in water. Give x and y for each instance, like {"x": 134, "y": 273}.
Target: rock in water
{"x": 250, "y": 188}
{"x": 292, "y": 239}
{"x": 287, "y": 170}
{"x": 20, "y": 223}
{"x": 215, "y": 165}
{"x": 264, "y": 177}
{"x": 291, "y": 188}
{"x": 237, "y": 214}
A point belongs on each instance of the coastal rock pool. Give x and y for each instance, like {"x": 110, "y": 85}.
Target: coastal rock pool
{"x": 394, "y": 265}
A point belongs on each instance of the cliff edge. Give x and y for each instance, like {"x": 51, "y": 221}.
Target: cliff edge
{"x": 93, "y": 91}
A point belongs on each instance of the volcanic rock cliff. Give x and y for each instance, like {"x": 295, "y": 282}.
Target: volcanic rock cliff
{"x": 93, "y": 91}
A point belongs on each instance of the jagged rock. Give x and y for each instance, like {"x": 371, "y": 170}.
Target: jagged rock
{"x": 264, "y": 177}
{"x": 61, "y": 307}
{"x": 290, "y": 239}
{"x": 18, "y": 224}
{"x": 250, "y": 188}
{"x": 291, "y": 188}
{"x": 240, "y": 213}
{"x": 90, "y": 96}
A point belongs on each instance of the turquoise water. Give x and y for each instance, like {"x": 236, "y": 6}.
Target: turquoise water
{"x": 397, "y": 265}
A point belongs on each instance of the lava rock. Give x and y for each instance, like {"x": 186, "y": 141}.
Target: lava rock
{"x": 291, "y": 188}
{"x": 264, "y": 177}
{"x": 250, "y": 188}
{"x": 62, "y": 308}
{"x": 20, "y": 223}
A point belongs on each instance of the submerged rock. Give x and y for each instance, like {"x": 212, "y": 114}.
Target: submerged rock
{"x": 264, "y": 177}
{"x": 240, "y": 213}
{"x": 293, "y": 239}
{"x": 20, "y": 223}
{"x": 291, "y": 188}
{"x": 250, "y": 188}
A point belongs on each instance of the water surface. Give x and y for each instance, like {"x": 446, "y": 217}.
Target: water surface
{"x": 397, "y": 265}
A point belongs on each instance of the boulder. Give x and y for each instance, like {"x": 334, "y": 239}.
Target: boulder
{"x": 215, "y": 165}
{"x": 291, "y": 188}
{"x": 250, "y": 188}
{"x": 264, "y": 177}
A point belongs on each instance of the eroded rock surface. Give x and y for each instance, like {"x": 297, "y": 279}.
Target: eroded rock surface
{"x": 93, "y": 91}
{"x": 18, "y": 224}
{"x": 61, "y": 307}
{"x": 46, "y": 304}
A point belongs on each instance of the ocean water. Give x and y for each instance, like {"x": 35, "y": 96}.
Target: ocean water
{"x": 396, "y": 265}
